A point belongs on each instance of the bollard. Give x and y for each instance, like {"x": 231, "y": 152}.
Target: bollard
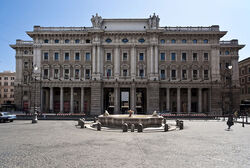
{"x": 181, "y": 125}
{"x": 164, "y": 121}
{"x": 140, "y": 128}
{"x": 125, "y": 127}
{"x": 165, "y": 127}
{"x": 177, "y": 123}
{"x": 243, "y": 121}
{"x": 82, "y": 124}
{"x": 34, "y": 119}
{"x": 99, "y": 126}
{"x": 132, "y": 127}
{"x": 94, "y": 119}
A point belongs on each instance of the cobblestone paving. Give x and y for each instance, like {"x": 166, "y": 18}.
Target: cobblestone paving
{"x": 202, "y": 144}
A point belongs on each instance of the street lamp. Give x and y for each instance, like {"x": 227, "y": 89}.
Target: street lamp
{"x": 34, "y": 119}
{"x": 230, "y": 90}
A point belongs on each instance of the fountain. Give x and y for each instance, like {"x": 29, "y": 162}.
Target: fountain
{"x": 118, "y": 120}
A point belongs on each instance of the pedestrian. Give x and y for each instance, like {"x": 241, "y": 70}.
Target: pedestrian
{"x": 230, "y": 121}
{"x": 236, "y": 115}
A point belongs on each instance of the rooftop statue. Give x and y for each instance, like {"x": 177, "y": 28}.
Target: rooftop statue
{"x": 96, "y": 21}
{"x": 153, "y": 21}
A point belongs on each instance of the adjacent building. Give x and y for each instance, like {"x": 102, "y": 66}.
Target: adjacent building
{"x": 244, "y": 67}
{"x": 7, "y": 79}
{"x": 121, "y": 64}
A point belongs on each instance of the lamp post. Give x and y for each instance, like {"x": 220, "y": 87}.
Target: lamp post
{"x": 230, "y": 90}
{"x": 34, "y": 119}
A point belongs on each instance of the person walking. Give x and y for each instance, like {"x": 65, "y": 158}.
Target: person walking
{"x": 230, "y": 121}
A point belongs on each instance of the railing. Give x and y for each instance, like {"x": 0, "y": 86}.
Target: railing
{"x": 24, "y": 42}
{"x": 199, "y": 28}
{"x": 231, "y": 42}
{"x": 38, "y": 28}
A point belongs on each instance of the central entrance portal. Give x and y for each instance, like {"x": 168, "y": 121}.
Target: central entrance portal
{"x": 124, "y": 100}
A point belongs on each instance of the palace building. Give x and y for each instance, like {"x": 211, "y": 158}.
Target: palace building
{"x": 121, "y": 64}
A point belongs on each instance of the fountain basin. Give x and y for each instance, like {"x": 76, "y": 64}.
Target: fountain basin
{"x": 119, "y": 120}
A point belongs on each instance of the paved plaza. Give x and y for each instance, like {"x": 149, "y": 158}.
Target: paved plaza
{"x": 202, "y": 144}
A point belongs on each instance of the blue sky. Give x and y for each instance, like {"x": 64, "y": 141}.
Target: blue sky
{"x": 19, "y": 16}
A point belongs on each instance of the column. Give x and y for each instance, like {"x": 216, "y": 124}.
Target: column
{"x": 156, "y": 60}
{"x": 51, "y": 100}
{"x": 132, "y": 97}
{"x": 98, "y": 59}
{"x": 189, "y": 100}
{"x": 82, "y": 100}
{"x": 72, "y": 100}
{"x": 178, "y": 100}
{"x": 168, "y": 99}
{"x": 200, "y": 101}
{"x": 41, "y": 105}
{"x": 133, "y": 62}
{"x": 117, "y": 100}
{"x": 117, "y": 63}
{"x": 61, "y": 100}
{"x": 94, "y": 59}
{"x": 151, "y": 60}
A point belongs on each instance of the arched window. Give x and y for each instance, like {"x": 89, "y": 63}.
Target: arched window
{"x": 173, "y": 41}
{"x": 194, "y": 41}
{"x": 227, "y": 52}
{"x": 162, "y": 41}
{"x": 67, "y": 41}
{"x": 184, "y": 41}
{"x": 205, "y": 41}
{"x": 77, "y": 41}
{"x": 46, "y": 41}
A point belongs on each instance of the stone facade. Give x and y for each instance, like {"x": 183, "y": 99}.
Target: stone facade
{"x": 121, "y": 64}
{"x": 244, "y": 71}
{"x": 7, "y": 79}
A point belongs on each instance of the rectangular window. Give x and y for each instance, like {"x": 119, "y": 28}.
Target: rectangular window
{"x": 248, "y": 70}
{"x": 141, "y": 56}
{"x": 242, "y": 91}
{"x": 195, "y": 57}
{"x": 87, "y": 74}
{"x": 184, "y": 57}
{"x": 125, "y": 72}
{"x": 108, "y": 56}
{"x": 5, "y": 83}
{"x": 5, "y": 90}
{"x": 173, "y": 74}
{"x": 45, "y": 74}
{"x": 12, "y": 83}
{"x": 162, "y": 74}
{"x": 45, "y": 56}
{"x": 108, "y": 72}
{"x": 162, "y": 56}
{"x": 56, "y": 56}
{"x": 195, "y": 74}
{"x": 25, "y": 79}
{"x": 87, "y": 56}
{"x": 141, "y": 73}
{"x": 242, "y": 80}
{"x": 66, "y": 73}
{"x": 205, "y": 74}
{"x": 205, "y": 56}
{"x": 125, "y": 56}
{"x": 173, "y": 55}
{"x": 249, "y": 79}
{"x": 56, "y": 73}
{"x": 26, "y": 65}
{"x": 77, "y": 56}
{"x": 12, "y": 78}
{"x": 184, "y": 74}
{"x": 77, "y": 74}
{"x": 66, "y": 56}
{"x": 248, "y": 90}
{"x": 6, "y": 78}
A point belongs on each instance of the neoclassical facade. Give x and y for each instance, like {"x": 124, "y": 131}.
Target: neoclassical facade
{"x": 121, "y": 64}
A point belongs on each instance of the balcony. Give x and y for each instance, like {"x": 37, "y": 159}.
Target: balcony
{"x": 38, "y": 28}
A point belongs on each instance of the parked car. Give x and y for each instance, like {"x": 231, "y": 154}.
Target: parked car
{"x": 6, "y": 116}
{"x": 3, "y": 118}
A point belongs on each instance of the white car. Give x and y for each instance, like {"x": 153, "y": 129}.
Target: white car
{"x": 10, "y": 117}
